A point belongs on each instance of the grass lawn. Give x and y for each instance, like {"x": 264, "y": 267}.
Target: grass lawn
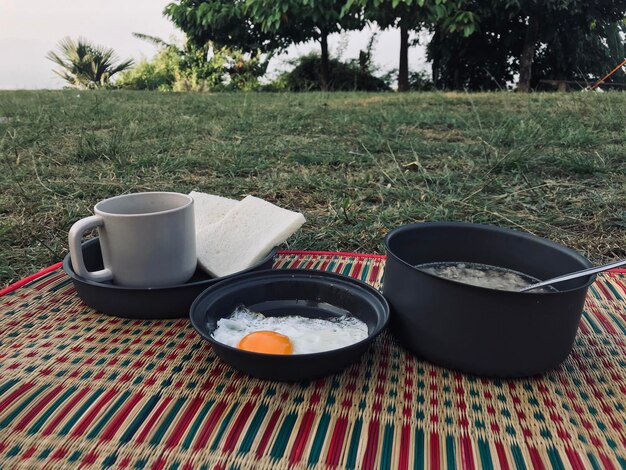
{"x": 357, "y": 165}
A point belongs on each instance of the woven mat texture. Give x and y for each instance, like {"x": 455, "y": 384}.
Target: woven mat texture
{"x": 81, "y": 389}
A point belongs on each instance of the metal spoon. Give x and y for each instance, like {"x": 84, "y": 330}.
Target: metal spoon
{"x": 567, "y": 277}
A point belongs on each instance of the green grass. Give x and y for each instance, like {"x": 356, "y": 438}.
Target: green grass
{"x": 357, "y": 165}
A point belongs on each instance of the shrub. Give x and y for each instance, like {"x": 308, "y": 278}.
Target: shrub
{"x": 344, "y": 76}
{"x": 188, "y": 69}
{"x": 421, "y": 81}
{"x": 156, "y": 74}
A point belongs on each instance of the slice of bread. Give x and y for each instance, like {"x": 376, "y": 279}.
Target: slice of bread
{"x": 209, "y": 209}
{"x": 244, "y": 236}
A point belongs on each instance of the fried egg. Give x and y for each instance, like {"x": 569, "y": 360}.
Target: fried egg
{"x": 255, "y": 332}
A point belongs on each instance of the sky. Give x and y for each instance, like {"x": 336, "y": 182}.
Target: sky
{"x": 29, "y": 29}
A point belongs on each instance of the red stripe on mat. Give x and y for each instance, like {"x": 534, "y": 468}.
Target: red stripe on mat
{"x": 330, "y": 253}
{"x": 32, "y": 277}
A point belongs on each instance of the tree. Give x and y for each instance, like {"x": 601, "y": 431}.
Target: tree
{"x": 543, "y": 17}
{"x": 581, "y": 54}
{"x": 560, "y": 39}
{"x": 410, "y": 15}
{"x": 302, "y": 20}
{"x": 85, "y": 65}
{"x": 482, "y": 61}
{"x": 224, "y": 23}
{"x": 240, "y": 45}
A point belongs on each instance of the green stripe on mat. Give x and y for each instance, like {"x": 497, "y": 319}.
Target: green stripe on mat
{"x": 225, "y": 420}
{"x": 109, "y": 414}
{"x": 60, "y": 285}
{"x": 614, "y": 291}
{"x": 354, "y": 443}
{"x": 555, "y": 459}
{"x": 485, "y": 455}
{"x": 7, "y": 385}
{"x": 26, "y": 400}
{"x": 595, "y": 293}
{"x": 140, "y": 419}
{"x": 167, "y": 421}
{"x": 40, "y": 279}
{"x": 385, "y": 457}
{"x": 331, "y": 265}
{"x": 253, "y": 429}
{"x": 594, "y": 327}
{"x": 365, "y": 272}
{"x": 38, "y": 424}
{"x": 280, "y": 444}
{"x": 518, "y": 457}
{"x": 419, "y": 450}
{"x": 15, "y": 450}
{"x": 450, "y": 452}
{"x": 318, "y": 440}
{"x": 594, "y": 462}
{"x": 193, "y": 430}
{"x": 81, "y": 411}
{"x": 617, "y": 321}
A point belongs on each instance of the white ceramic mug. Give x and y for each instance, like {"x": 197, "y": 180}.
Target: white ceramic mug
{"x": 147, "y": 240}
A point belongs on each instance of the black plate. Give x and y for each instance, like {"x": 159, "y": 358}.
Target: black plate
{"x": 307, "y": 293}
{"x": 142, "y": 303}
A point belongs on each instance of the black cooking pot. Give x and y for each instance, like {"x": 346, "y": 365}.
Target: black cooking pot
{"x": 475, "y": 329}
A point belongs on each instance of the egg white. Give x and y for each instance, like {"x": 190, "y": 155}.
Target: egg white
{"x": 307, "y": 335}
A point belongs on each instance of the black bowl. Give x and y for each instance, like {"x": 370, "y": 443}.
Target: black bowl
{"x": 475, "y": 329}
{"x": 307, "y": 293}
{"x": 143, "y": 303}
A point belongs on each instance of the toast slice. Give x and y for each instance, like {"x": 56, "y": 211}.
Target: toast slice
{"x": 209, "y": 208}
{"x": 244, "y": 236}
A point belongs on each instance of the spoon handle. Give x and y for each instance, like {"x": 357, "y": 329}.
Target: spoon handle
{"x": 567, "y": 277}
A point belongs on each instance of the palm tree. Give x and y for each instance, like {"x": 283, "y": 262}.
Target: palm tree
{"x": 86, "y": 65}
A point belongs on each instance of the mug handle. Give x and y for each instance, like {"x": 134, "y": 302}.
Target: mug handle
{"x": 76, "y": 251}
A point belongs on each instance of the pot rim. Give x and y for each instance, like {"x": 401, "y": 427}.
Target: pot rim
{"x": 528, "y": 236}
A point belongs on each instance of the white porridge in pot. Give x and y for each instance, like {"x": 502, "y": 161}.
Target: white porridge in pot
{"x": 482, "y": 275}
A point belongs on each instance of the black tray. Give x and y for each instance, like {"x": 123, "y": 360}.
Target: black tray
{"x": 143, "y": 303}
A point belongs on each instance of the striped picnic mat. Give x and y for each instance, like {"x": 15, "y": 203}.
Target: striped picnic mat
{"x": 81, "y": 389}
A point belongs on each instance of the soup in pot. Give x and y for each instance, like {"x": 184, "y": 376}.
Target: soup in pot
{"x": 482, "y": 275}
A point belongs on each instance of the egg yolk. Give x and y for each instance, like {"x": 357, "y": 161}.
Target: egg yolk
{"x": 267, "y": 342}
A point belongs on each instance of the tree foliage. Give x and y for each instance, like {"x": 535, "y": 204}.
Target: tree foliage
{"x": 301, "y": 20}
{"x": 485, "y": 60}
{"x": 224, "y": 23}
{"x": 581, "y": 54}
{"x": 271, "y": 25}
{"x": 447, "y": 15}
{"x": 554, "y": 39}
{"x": 475, "y": 44}
{"x": 86, "y": 65}
{"x": 242, "y": 49}
{"x": 442, "y": 16}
